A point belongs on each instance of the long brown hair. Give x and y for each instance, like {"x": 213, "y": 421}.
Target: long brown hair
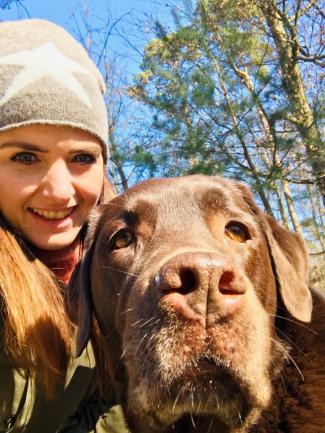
{"x": 37, "y": 331}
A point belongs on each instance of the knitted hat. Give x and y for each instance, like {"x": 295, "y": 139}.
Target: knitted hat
{"x": 46, "y": 77}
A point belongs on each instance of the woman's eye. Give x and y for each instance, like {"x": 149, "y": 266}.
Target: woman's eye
{"x": 84, "y": 158}
{"x": 24, "y": 158}
{"x": 237, "y": 232}
{"x": 122, "y": 239}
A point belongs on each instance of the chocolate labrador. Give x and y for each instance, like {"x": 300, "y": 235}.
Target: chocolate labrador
{"x": 204, "y": 303}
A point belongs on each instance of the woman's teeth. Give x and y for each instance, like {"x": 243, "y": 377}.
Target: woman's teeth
{"x": 52, "y": 215}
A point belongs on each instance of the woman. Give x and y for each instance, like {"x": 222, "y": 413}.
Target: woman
{"x": 53, "y": 152}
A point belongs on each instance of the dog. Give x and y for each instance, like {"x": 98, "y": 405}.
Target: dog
{"x": 204, "y": 303}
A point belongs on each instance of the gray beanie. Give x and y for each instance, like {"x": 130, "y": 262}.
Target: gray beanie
{"x": 46, "y": 77}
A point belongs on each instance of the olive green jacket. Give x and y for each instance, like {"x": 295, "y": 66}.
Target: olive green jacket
{"x": 75, "y": 408}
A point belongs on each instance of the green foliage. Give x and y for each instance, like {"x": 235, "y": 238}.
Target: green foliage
{"x": 218, "y": 103}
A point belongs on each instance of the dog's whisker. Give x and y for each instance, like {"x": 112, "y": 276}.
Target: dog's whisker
{"x": 149, "y": 342}
{"x": 289, "y": 339}
{"x": 192, "y": 419}
{"x": 140, "y": 342}
{"x": 119, "y": 270}
{"x": 126, "y": 311}
{"x": 289, "y": 357}
{"x": 176, "y": 400}
{"x": 124, "y": 352}
{"x": 283, "y": 382}
{"x": 210, "y": 426}
{"x": 192, "y": 400}
{"x": 197, "y": 410}
{"x": 283, "y": 377}
{"x": 295, "y": 322}
{"x": 147, "y": 321}
{"x": 136, "y": 322}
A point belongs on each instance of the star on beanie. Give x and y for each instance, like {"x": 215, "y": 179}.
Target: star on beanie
{"x": 48, "y": 78}
{"x": 43, "y": 61}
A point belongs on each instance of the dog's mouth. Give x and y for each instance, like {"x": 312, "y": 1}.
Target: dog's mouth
{"x": 209, "y": 377}
{"x": 205, "y": 369}
{"x": 208, "y": 388}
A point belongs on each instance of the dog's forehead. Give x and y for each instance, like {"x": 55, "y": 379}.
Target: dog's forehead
{"x": 189, "y": 195}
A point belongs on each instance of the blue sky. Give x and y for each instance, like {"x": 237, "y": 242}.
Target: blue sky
{"x": 61, "y": 12}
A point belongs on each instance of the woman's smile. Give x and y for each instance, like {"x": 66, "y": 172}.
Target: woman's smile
{"x": 51, "y": 214}
{"x": 54, "y": 220}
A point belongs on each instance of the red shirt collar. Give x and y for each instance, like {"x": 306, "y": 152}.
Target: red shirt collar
{"x": 61, "y": 262}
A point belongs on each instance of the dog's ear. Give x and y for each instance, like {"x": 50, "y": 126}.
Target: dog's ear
{"x": 289, "y": 260}
{"x": 291, "y": 268}
{"x": 78, "y": 298}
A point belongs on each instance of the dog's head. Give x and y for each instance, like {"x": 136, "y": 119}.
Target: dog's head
{"x": 186, "y": 277}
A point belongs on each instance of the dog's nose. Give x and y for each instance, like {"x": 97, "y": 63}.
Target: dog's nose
{"x": 201, "y": 286}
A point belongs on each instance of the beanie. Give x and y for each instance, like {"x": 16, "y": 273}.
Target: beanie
{"x": 47, "y": 77}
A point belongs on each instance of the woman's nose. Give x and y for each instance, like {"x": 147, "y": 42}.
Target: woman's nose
{"x": 58, "y": 182}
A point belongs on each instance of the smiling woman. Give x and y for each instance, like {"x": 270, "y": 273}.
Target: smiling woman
{"x": 55, "y": 177}
{"x": 53, "y": 153}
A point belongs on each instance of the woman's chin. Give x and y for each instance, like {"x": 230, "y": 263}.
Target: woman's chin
{"x": 56, "y": 241}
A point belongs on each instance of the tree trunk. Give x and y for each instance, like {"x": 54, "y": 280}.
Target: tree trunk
{"x": 117, "y": 162}
{"x": 271, "y": 140}
{"x": 319, "y": 233}
{"x": 252, "y": 167}
{"x": 286, "y": 45}
{"x": 284, "y": 218}
{"x": 291, "y": 208}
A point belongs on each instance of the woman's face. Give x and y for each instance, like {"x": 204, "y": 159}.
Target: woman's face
{"x": 50, "y": 177}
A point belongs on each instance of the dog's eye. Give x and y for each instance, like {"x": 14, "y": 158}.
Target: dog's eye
{"x": 237, "y": 232}
{"x": 122, "y": 239}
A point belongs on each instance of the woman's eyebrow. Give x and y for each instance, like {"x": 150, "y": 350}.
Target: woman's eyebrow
{"x": 24, "y": 146}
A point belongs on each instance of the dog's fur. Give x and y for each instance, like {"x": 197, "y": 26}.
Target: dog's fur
{"x": 206, "y": 334}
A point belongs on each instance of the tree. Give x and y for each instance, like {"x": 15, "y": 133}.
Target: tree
{"x": 284, "y": 29}
{"x": 215, "y": 86}
{"x": 95, "y": 34}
